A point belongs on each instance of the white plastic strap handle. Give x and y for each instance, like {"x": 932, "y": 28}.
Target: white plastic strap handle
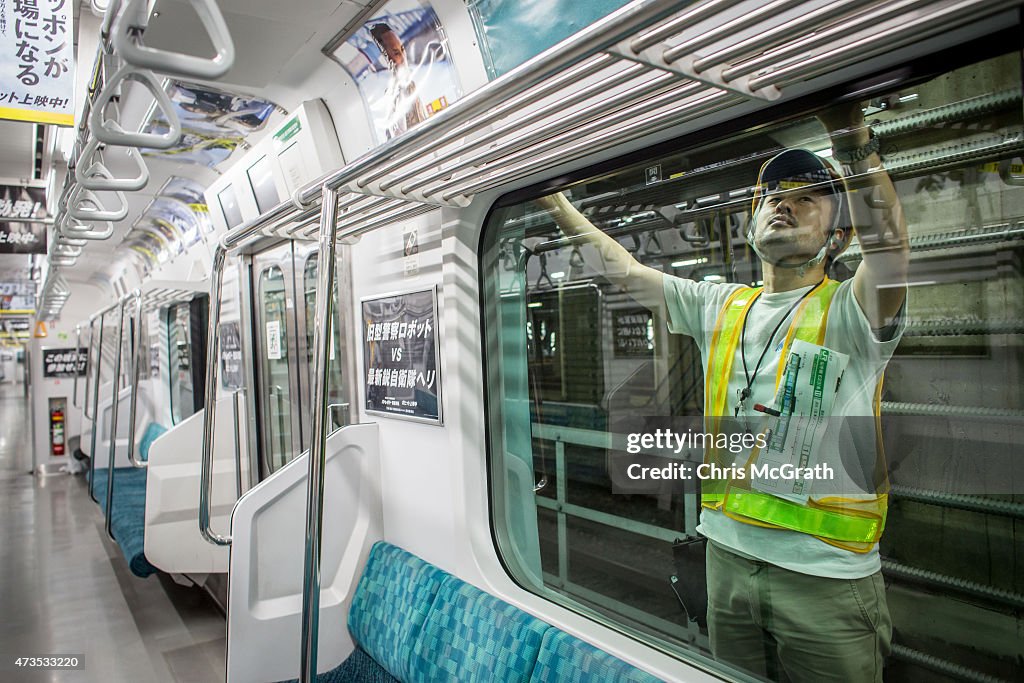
{"x": 127, "y": 37}
{"x": 84, "y": 205}
{"x": 61, "y": 249}
{"x": 92, "y": 174}
{"x": 110, "y": 132}
{"x": 75, "y": 230}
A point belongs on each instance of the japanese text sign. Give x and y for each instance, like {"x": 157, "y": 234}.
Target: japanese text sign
{"x": 64, "y": 362}
{"x": 400, "y": 356}
{"x": 37, "y": 61}
{"x": 19, "y": 204}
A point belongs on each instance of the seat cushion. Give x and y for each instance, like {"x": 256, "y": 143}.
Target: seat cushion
{"x": 358, "y": 668}
{"x": 128, "y": 519}
{"x": 472, "y": 636}
{"x": 153, "y": 430}
{"x": 566, "y": 659}
{"x": 390, "y": 605}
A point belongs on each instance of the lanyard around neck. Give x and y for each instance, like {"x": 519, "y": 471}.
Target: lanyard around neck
{"x": 745, "y": 392}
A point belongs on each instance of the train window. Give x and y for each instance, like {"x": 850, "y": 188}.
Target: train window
{"x": 337, "y": 407}
{"x": 606, "y": 303}
{"x": 277, "y": 406}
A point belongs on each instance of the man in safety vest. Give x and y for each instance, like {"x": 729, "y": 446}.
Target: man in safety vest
{"x": 794, "y": 583}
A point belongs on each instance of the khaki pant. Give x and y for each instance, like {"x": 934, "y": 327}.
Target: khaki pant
{"x": 784, "y": 625}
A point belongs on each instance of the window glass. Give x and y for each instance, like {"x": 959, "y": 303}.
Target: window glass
{"x": 277, "y": 406}
{"x": 180, "y": 358}
{"x": 338, "y": 408}
{"x": 755, "y": 289}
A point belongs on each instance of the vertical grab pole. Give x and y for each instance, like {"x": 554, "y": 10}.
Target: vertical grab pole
{"x": 238, "y": 440}
{"x": 95, "y": 414}
{"x": 88, "y": 369}
{"x": 317, "y": 448}
{"x": 74, "y": 383}
{"x": 113, "y": 420}
{"x": 210, "y": 402}
{"x": 134, "y": 402}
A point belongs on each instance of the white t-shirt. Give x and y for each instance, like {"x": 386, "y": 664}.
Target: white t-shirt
{"x": 693, "y": 309}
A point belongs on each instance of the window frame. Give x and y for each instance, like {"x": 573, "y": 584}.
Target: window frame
{"x": 863, "y": 87}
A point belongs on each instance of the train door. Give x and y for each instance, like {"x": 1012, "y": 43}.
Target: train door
{"x": 278, "y": 371}
{"x": 284, "y": 288}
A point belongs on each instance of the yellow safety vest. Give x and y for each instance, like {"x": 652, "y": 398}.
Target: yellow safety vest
{"x": 854, "y": 524}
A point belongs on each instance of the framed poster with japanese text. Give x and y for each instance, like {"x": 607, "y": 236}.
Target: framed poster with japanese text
{"x": 401, "y": 365}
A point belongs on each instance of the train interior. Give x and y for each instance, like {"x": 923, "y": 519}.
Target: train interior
{"x": 302, "y": 376}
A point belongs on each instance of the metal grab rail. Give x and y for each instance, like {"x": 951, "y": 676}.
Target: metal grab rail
{"x": 110, "y": 132}
{"x": 95, "y": 411}
{"x": 77, "y": 211}
{"x": 133, "y": 403}
{"x": 131, "y": 22}
{"x": 600, "y": 35}
{"x": 318, "y": 442}
{"x": 94, "y": 175}
{"x": 74, "y": 382}
{"x": 210, "y": 395}
{"x": 114, "y": 404}
{"x": 240, "y": 391}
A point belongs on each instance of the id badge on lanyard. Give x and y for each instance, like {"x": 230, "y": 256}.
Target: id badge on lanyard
{"x": 803, "y": 400}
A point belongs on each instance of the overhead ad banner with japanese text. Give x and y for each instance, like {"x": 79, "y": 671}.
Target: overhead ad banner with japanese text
{"x": 401, "y": 62}
{"x": 25, "y": 203}
{"x": 400, "y": 356}
{"x": 37, "y": 61}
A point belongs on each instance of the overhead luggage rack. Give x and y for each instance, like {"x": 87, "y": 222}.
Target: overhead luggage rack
{"x": 648, "y": 67}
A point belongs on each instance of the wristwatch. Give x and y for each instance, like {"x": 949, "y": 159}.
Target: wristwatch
{"x": 849, "y": 156}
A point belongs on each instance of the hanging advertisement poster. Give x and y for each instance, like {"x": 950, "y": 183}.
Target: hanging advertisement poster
{"x": 26, "y": 203}
{"x": 65, "y": 362}
{"x": 214, "y": 123}
{"x": 231, "y": 369}
{"x": 401, "y": 62}
{"x": 37, "y": 61}
{"x": 400, "y": 356}
{"x": 190, "y": 192}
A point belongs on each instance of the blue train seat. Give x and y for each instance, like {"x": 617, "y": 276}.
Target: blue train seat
{"x": 413, "y": 622}
{"x": 128, "y": 518}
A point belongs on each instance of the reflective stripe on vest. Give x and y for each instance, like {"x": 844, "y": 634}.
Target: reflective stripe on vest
{"x": 851, "y": 523}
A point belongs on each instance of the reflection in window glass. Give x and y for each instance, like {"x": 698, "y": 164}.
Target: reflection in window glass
{"x": 723, "y": 292}
{"x": 180, "y": 356}
{"x": 338, "y": 409}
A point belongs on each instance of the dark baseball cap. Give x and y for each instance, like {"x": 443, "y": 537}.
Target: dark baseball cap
{"x": 794, "y": 168}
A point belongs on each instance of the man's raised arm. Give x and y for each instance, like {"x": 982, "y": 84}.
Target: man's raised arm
{"x": 880, "y": 282}
{"x": 643, "y": 283}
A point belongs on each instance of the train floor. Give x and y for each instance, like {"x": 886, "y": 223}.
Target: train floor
{"x": 65, "y": 587}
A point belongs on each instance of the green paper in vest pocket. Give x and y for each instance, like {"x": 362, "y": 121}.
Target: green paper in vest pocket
{"x": 804, "y": 398}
